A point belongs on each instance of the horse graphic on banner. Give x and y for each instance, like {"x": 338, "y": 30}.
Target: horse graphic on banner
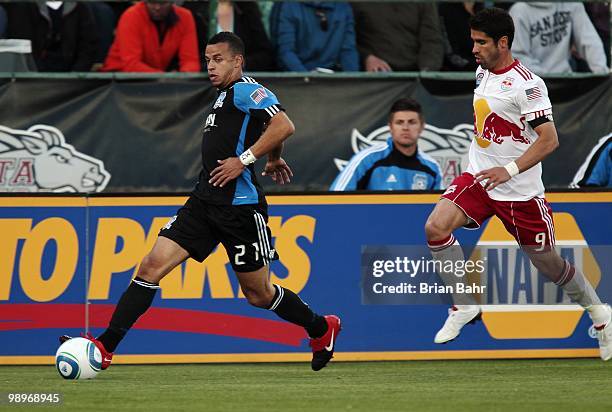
{"x": 40, "y": 160}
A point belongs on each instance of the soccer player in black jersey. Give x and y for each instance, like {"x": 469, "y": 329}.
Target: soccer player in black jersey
{"x": 228, "y": 206}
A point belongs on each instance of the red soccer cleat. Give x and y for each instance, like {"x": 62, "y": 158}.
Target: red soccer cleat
{"x": 323, "y": 347}
{"x": 107, "y": 357}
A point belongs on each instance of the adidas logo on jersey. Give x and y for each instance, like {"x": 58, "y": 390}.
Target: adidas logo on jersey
{"x": 391, "y": 178}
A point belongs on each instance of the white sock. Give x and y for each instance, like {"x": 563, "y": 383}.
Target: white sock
{"x": 580, "y": 291}
{"x": 446, "y": 250}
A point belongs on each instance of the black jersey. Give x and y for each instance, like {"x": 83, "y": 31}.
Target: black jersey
{"x": 233, "y": 125}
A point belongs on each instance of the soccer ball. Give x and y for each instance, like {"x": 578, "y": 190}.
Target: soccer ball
{"x": 78, "y": 358}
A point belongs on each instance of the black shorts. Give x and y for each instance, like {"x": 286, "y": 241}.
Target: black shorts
{"x": 199, "y": 227}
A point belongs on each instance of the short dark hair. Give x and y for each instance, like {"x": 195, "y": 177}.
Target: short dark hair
{"x": 235, "y": 43}
{"x": 406, "y": 104}
{"x": 495, "y": 23}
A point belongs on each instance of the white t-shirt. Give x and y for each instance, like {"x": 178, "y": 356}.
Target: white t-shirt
{"x": 504, "y": 102}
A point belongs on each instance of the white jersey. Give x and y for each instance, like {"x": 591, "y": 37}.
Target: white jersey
{"x": 504, "y": 102}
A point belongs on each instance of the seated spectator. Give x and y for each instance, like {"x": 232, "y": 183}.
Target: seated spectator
{"x": 396, "y": 164}
{"x": 154, "y": 36}
{"x": 314, "y": 35}
{"x": 105, "y": 20}
{"x": 454, "y": 18}
{"x": 398, "y": 36}
{"x": 244, "y": 19}
{"x": 3, "y": 22}
{"x": 63, "y": 34}
{"x": 546, "y": 32}
{"x": 597, "y": 168}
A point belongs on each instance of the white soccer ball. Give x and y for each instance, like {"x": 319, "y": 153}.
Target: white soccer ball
{"x": 78, "y": 358}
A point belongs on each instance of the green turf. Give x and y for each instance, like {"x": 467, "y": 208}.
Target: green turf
{"x": 508, "y": 385}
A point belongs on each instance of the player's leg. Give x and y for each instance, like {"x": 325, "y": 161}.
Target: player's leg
{"x": 580, "y": 291}
{"x": 136, "y": 300}
{"x": 531, "y": 223}
{"x": 322, "y": 330}
{"x": 247, "y": 239}
{"x": 187, "y": 234}
{"x": 260, "y": 292}
{"x": 463, "y": 197}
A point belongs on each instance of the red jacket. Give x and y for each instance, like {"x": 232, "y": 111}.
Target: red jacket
{"x": 136, "y": 47}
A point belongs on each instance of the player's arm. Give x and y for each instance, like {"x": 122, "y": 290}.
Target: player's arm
{"x": 276, "y": 167}
{"x": 545, "y": 144}
{"x": 280, "y": 127}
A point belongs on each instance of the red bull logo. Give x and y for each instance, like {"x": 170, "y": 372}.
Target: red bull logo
{"x": 491, "y": 127}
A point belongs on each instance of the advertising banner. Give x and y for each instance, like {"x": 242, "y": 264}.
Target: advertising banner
{"x": 65, "y": 261}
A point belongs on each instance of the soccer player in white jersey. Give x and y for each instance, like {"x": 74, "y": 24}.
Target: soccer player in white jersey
{"x": 514, "y": 132}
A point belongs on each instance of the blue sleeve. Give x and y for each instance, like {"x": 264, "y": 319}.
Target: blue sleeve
{"x": 286, "y": 41}
{"x": 349, "y": 176}
{"x": 256, "y": 100}
{"x": 349, "y": 58}
{"x": 357, "y": 167}
{"x": 600, "y": 175}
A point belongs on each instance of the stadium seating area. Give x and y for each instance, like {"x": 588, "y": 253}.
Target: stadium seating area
{"x": 303, "y": 36}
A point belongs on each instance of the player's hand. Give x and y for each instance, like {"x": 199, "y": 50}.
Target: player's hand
{"x": 228, "y": 170}
{"x": 278, "y": 170}
{"x": 494, "y": 177}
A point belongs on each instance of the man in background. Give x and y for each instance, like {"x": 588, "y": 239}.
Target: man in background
{"x": 546, "y": 34}
{"x": 398, "y": 36}
{"x": 154, "y": 36}
{"x": 397, "y": 164}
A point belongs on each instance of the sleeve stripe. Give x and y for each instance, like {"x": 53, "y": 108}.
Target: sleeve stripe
{"x": 524, "y": 72}
{"x": 351, "y": 168}
{"x": 247, "y": 79}
{"x": 272, "y": 110}
{"x": 588, "y": 162}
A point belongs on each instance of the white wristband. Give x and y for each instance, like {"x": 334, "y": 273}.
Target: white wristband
{"x": 512, "y": 169}
{"x": 247, "y": 158}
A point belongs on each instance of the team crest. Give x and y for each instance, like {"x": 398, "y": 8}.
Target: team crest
{"x": 419, "y": 182}
{"x": 220, "y": 99}
{"x": 506, "y": 84}
{"x": 479, "y": 78}
{"x": 40, "y": 160}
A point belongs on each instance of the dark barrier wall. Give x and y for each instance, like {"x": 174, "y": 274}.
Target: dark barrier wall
{"x": 144, "y": 135}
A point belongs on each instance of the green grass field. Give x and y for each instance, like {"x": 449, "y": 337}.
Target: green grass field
{"x": 507, "y": 385}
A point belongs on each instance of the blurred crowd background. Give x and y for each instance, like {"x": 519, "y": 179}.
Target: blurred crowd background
{"x": 166, "y": 36}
